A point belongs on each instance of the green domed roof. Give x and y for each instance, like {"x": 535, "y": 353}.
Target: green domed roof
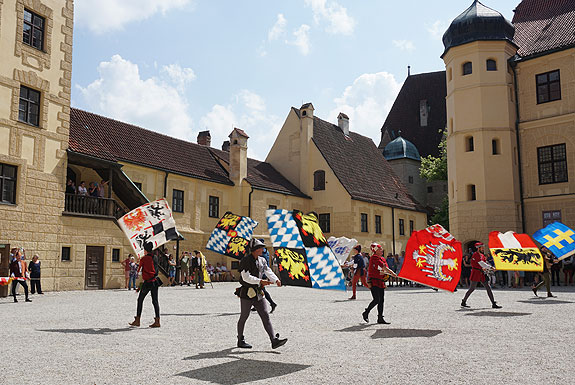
{"x": 400, "y": 148}
{"x": 477, "y": 22}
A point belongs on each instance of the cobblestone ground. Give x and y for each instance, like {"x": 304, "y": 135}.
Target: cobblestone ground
{"x": 83, "y": 338}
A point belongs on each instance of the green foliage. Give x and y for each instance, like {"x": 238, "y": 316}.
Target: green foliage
{"x": 441, "y": 216}
{"x": 433, "y": 168}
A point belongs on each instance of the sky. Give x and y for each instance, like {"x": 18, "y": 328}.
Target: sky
{"x": 183, "y": 66}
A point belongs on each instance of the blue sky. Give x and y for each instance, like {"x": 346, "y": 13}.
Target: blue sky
{"x": 184, "y": 66}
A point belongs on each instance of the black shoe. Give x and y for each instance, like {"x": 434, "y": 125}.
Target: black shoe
{"x": 365, "y": 315}
{"x": 549, "y": 295}
{"x": 15, "y": 300}
{"x": 494, "y": 305}
{"x": 534, "y": 291}
{"x": 463, "y": 303}
{"x": 380, "y": 320}
{"x": 273, "y": 305}
{"x": 28, "y": 300}
{"x": 277, "y": 342}
{"x": 243, "y": 344}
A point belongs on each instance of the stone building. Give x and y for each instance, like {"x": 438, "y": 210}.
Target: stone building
{"x": 413, "y": 129}
{"x": 45, "y": 144}
{"x": 511, "y": 118}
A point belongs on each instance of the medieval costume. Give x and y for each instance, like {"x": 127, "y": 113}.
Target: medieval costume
{"x": 478, "y": 275}
{"x": 378, "y": 272}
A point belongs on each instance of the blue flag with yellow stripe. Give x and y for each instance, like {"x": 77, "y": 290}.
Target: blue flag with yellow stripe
{"x": 558, "y": 238}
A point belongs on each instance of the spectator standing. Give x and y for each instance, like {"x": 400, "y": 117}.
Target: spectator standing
{"x": 82, "y": 189}
{"x": 133, "y": 274}
{"x": 101, "y": 189}
{"x": 93, "y": 189}
{"x": 171, "y": 270}
{"x": 391, "y": 265}
{"x": 466, "y": 272}
{"x": 34, "y": 269}
{"x": 184, "y": 269}
{"x": 70, "y": 187}
{"x": 18, "y": 272}
{"x": 555, "y": 269}
{"x": 358, "y": 271}
{"x": 126, "y": 264}
{"x": 568, "y": 269}
{"x": 399, "y": 265}
{"x": 198, "y": 270}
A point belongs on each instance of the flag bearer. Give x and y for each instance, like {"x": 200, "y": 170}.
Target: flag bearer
{"x": 478, "y": 275}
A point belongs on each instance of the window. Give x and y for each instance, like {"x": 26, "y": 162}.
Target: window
{"x": 471, "y": 194}
{"x": 214, "y": 207}
{"x": 378, "y": 224}
{"x": 401, "y": 227}
{"x": 363, "y": 223}
{"x": 178, "y": 201}
{"x": 495, "y": 150}
{"x": 65, "y": 253}
{"x": 429, "y": 189}
{"x": 115, "y": 255}
{"x": 33, "y": 33}
{"x": 235, "y": 265}
{"x": 272, "y": 207}
{"x": 491, "y": 65}
{"x": 551, "y": 217}
{"x": 324, "y": 222}
{"x": 410, "y": 179}
{"x": 467, "y": 68}
{"x": 548, "y": 87}
{"x": 7, "y": 183}
{"x": 29, "y": 109}
{"x": 319, "y": 180}
{"x": 449, "y": 74}
{"x": 469, "y": 144}
{"x": 411, "y": 227}
{"x": 552, "y": 162}
{"x": 138, "y": 185}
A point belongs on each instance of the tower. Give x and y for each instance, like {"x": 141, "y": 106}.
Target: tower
{"x": 484, "y": 192}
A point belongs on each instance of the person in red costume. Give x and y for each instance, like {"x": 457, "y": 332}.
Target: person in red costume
{"x": 478, "y": 275}
{"x": 377, "y": 273}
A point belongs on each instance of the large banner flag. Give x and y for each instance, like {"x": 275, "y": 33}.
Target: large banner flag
{"x": 433, "y": 258}
{"x": 152, "y": 222}
{"x": 558, "y": 238}
{"x": 341, "y": 247}
{"x": 305, "y": 258}
{"x": 512, "y": 251}
{"x": 231, "y": 235}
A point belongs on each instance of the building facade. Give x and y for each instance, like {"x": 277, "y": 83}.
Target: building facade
{"x": 511, "y": 118}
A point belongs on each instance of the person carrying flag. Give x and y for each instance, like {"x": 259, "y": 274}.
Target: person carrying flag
{"x": 478, "y": 275}
{"x": 252, "y": 268}
{"x": 548, "y": 258}
{"x": 150, "y": 285}
{"x": 376, "y": 278}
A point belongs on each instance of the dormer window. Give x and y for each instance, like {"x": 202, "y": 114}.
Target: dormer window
{"x": 467, "y": 68}
{"x": 319, "y": 180}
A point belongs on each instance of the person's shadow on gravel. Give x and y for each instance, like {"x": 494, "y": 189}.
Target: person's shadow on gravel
{"x": 96, "y": 331}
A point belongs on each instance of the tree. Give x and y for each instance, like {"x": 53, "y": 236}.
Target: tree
{"x": 435, "y": 169}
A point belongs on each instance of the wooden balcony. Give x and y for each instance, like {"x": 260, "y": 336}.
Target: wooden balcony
{"x": 88, "y": 206}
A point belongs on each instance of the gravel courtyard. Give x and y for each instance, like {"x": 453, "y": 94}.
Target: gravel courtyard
{"x": 83, "y": 338}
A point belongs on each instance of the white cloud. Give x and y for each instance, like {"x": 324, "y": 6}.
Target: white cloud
{"x": 404, "y": 45}
{"x": 122, "y": 94}
{"x": 107, "y": 15}
{"x": 180, "y": 76}
{"x": 339, "y": 22}
{"x": 367, "y": 102}
{"x": 247, "y": 111}
{"x": 301, "y": 39}
{"x": 437, "y": 29}
{"x": 278, "y": 29}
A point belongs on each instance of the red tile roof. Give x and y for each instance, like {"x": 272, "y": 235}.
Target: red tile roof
{"x": 360, "y": 167}
{"x": 110, "y": 139}
{"x": 544, "y": 25}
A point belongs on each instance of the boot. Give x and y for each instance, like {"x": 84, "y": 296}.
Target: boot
{"x": 277, "y": 342}
{"x": 242, "y": 343}
{"x": 494, "y": 305}
{"x": 136, "y": 322}
{"x": 380, "y": 320}
{"x": 534, "y": 291}
{"x": 273, "y": 305}
{"x": 352, "y": 297}
{"x": 464, "y": 303}
{"x": 365, "y": 314}
{"x": 156, "y": 323}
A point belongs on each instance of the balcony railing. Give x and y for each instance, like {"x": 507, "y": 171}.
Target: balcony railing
{"x": 93, "y": 206}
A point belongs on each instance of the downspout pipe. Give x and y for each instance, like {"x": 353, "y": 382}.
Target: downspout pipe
{"x": 513, "y": 65}
{"x": 166, "y": 184}
{"x": 250, "y": 202}
{"x": 393, "y": 229}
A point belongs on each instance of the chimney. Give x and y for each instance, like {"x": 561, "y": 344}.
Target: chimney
{"x": 238, "y": 156}
{"x": 226, "y": 146}
{"x": 343, "y": 123}
{"x": 204, "y": 138}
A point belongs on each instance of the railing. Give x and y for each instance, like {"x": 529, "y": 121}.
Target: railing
{"x": 93, "y": 206}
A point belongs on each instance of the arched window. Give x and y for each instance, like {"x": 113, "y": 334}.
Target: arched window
{"x": 495, "y": 147}
{"x": 467, "y": 68}
{"x": 319, "y": 180}
{"x": 471, "y": 194}
{"x": 469, "y": 144}
{"x": 491, "y": 65}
